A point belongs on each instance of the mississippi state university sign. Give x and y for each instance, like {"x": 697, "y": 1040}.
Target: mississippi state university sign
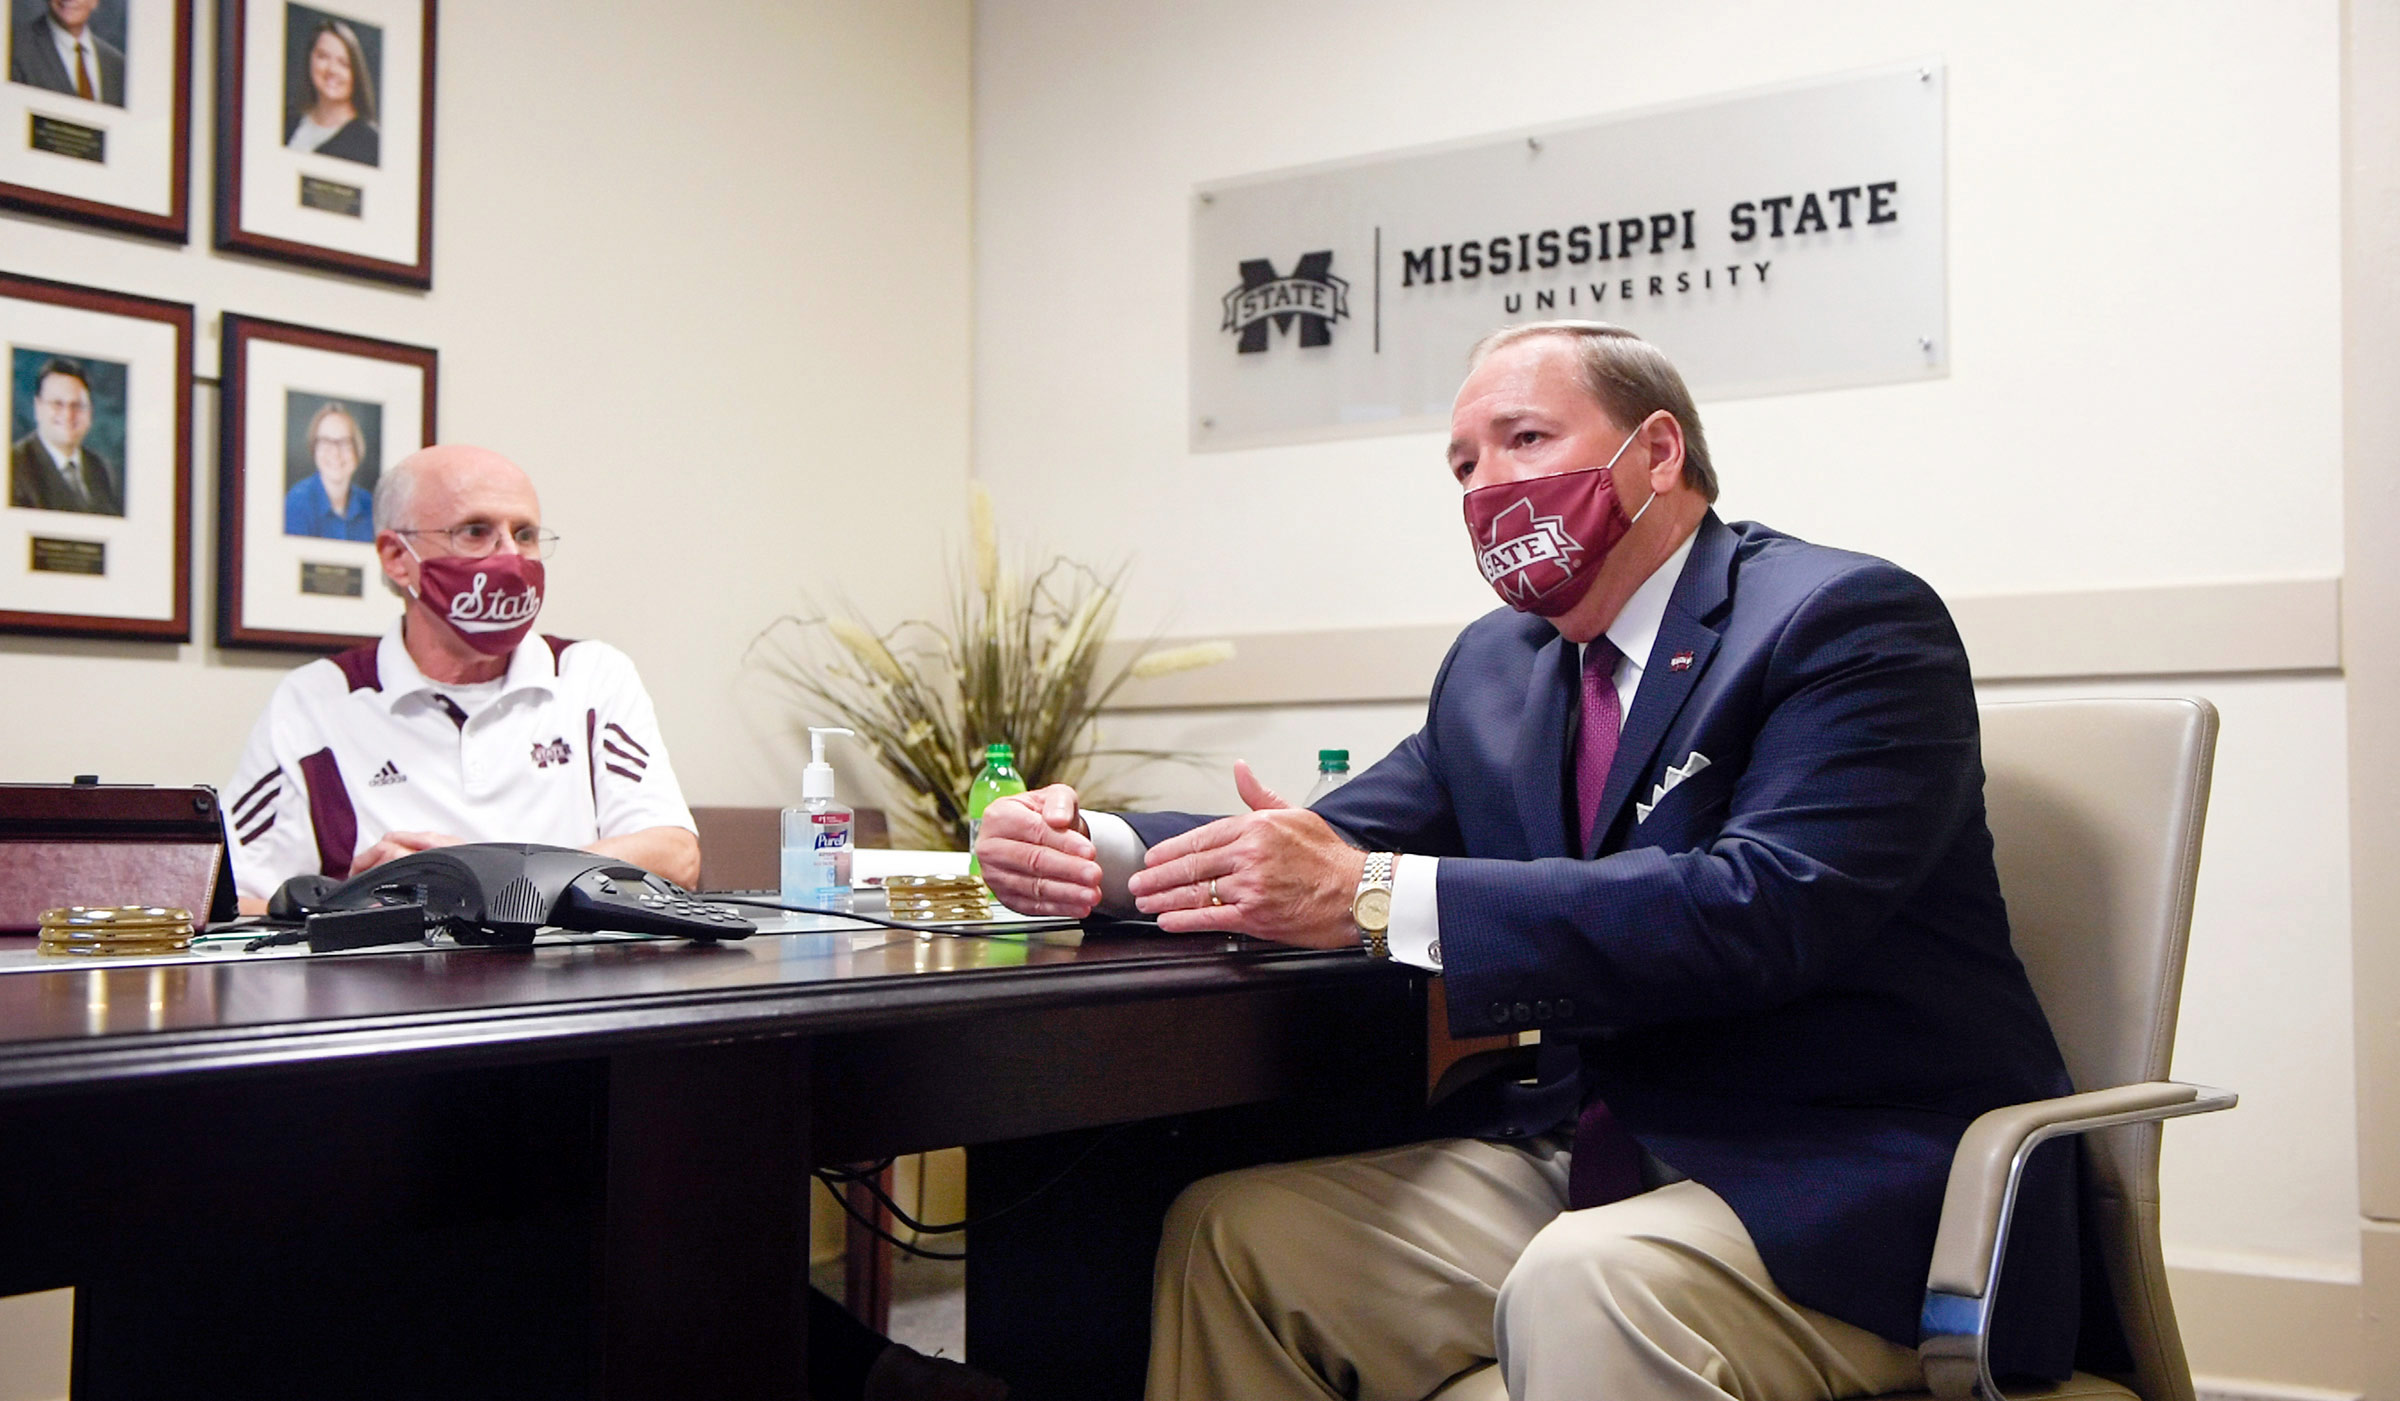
{"x": 1784, "y": 239}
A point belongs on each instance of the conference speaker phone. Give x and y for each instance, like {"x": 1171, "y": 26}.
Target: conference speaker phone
{"x": 498, "y": 893}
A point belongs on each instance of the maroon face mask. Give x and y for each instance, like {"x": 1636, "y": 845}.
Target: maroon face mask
{"x": 1540, "y": 542}
{"x": 489, "y": 602}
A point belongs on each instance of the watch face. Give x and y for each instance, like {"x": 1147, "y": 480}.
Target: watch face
{"x": 1372, "y": 909}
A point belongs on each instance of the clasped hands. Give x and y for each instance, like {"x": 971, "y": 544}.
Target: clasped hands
{"x": 1277, "y": 871}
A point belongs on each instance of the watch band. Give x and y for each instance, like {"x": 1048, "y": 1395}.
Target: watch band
{"x": 1377, "y": 876}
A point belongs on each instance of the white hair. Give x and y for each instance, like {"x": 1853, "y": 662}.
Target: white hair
{"x": 395, "y": 492}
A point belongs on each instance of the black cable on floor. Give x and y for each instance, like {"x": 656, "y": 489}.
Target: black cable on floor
{"x": 835, "y": 1179}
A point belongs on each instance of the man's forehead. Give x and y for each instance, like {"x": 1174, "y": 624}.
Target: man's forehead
{"x": 459, "y": 490}
{"x": 61, "y": 386}
{"x": 1537, "y": 375}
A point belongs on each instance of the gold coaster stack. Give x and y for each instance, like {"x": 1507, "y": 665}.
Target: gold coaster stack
{"x": 936, "y": 899}
{"x": 104, "y": 931}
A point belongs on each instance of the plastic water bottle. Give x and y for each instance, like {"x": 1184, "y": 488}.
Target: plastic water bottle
{"x": 816, "y": 835}
{"x": 1333, "y": 770}
{"x": 997, "y": 779}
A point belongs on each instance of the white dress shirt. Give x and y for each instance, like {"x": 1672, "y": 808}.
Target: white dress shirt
{"x": 73, "y": 467}
{"x": 67, "y": 46}
{"x": 1416, "y": 929}
{"x": 309, "y": 134}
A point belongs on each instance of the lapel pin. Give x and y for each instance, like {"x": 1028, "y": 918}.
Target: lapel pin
{"x": 1681, "y": 661}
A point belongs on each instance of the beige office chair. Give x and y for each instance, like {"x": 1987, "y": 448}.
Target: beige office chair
{"x": 2096, "y": 809}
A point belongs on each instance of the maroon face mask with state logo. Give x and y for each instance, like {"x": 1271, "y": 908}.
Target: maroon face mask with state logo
{"x": 489, "y": 602}
{"x": 1541, "y": 541}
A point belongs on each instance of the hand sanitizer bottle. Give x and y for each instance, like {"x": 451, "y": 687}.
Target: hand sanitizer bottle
{"x": 816, "y": 835}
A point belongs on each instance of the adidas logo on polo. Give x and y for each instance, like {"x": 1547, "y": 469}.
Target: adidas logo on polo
{"x": 386, "y": 776}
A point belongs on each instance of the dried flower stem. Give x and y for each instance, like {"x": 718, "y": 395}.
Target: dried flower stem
{"x": 1017, "y": 660}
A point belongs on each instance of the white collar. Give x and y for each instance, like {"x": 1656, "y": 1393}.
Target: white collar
{"x": 1635, "y": 631}
{"x": 531, "y": 667}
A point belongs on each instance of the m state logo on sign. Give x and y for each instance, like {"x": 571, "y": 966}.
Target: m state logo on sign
{"x": 1312, "y": 296}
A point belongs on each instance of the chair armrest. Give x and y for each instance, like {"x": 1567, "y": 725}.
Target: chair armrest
{"x": 1982, "y": 1196}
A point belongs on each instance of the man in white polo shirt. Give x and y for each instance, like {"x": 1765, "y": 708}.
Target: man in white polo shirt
{"x": 464, "y": 725}
{"x": 461, "y": 724}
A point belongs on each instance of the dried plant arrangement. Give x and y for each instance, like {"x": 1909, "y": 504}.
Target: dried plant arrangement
{"x": 1017, "y": 659}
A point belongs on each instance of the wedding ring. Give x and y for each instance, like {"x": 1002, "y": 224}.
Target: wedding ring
{"x": 1212, "y": 891}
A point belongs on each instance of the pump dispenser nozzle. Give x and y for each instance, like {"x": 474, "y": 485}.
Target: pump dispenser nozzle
{"x": 816, "y": 781}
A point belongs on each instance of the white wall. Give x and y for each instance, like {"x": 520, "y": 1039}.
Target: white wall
{"x": 2144, "y": 287}
{"x": 2144, "y": 216}
{"x": 675, "y": 249}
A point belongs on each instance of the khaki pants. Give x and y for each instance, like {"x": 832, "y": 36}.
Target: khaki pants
{"x": 1387, "y": 1276}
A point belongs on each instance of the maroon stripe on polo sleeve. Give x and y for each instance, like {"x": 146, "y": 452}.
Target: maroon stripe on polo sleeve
{"x": 271, "y": 776}
{"x": 329, "y": 808}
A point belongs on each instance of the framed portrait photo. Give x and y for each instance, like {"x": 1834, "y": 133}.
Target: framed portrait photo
{"x": 96, "y": 538}
{"x": 95, "y": 119}
{"x": 325, "y": 134}
{"x": 309, "y": 421}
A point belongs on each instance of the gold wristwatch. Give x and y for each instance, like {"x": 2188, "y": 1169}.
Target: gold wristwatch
{"x": 1371, "y": 908}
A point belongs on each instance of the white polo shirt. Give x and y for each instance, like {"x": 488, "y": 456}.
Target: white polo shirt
{"x": 564, "y": 749}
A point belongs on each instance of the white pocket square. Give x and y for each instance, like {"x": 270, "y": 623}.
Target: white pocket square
{"x": 1682, "y": 771}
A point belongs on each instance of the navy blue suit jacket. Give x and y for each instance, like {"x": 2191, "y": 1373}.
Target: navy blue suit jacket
{"x": 1789, "y": 973}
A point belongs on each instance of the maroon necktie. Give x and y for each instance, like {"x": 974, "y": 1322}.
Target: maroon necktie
{"x": 1603, "y": 716}
{"x": 1607, "y": 1163}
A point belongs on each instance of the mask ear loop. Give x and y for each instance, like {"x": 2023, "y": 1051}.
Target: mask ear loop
{"x": 413, "y": 596}
{"x": 1636, "y": 518}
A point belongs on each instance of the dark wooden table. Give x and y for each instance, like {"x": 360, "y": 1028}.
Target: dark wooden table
{"x": 582, "y": 1171}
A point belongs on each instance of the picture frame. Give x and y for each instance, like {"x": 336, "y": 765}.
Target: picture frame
{"x": 308, "y": 420}
{"x": 95, "y": 535}
{"x": 110, "y": 145}
{"x": 325, "y": 135}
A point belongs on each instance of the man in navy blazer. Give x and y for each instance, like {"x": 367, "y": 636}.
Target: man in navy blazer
{"x": 1705, "y": 804}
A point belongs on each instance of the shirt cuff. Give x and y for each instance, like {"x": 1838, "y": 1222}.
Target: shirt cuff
{"x": 1121, "y": 852}
{"x": 1415, "y": 935}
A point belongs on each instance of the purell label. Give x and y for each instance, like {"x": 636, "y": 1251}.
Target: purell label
{"x": 828, "y": 841}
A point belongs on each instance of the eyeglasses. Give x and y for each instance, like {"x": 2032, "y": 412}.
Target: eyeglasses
{"x": 476, "y": 539}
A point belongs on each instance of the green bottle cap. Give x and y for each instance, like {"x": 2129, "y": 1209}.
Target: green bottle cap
{"x": 1339, "y": 757}
{"x": 999, "y": 751}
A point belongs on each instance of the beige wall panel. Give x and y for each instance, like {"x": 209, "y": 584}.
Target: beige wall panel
{"x": 2380, "y": 1310}
{"x": 2292, "y": 1332}
{"x": 2371, "y": 619}
{"x": 2289, "y": 625}
{"x": 37, "y": 1345}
